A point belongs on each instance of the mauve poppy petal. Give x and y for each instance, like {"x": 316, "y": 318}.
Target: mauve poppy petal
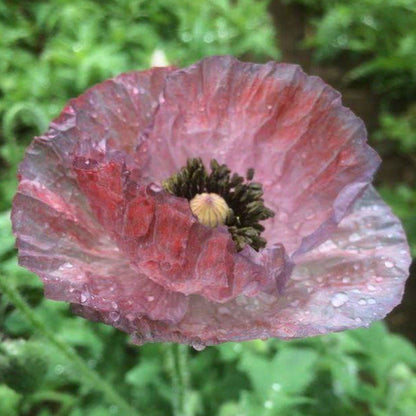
{"x": 349, "y": 281}
{"x": 309, "y": 151}
{"x": 115, "y": 113}
{"x": 58, "y": 236}
{"x": 163, "y": 240}
{"x": 79, "y": 263}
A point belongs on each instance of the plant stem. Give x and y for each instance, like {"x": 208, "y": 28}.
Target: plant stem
{"x": 184, "y": 373}
{"x": 177, "y": 363}
{"x": 174, "y": 378}
{"x": 85, "y": 373}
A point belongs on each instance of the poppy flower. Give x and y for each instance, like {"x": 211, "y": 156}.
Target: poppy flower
{"x": 225, "y": 201}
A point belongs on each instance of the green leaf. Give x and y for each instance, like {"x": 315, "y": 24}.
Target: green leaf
{"x": 9, "y": 401}
{"x": 291, "y": 370}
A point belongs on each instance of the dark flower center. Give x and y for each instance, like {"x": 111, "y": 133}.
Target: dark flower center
{"x": 220, "y": 197}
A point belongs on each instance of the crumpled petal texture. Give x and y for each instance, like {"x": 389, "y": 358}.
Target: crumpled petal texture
{"x": 157, "y": 232}
{"x": 309, "y": 151}
{"x": 92, "y": 220}
{"x": 348, "y": 281}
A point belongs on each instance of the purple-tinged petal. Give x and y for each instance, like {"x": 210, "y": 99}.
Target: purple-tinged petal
{"x": 164, "y": 241}
{"x": 349, "y": 281}
{"x": 115, "y": 114}
{"x": 58, "y": 236}
{"x": 309, "y": 151}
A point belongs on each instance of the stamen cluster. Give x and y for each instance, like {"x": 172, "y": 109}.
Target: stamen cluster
{"x": 243, "y": 197}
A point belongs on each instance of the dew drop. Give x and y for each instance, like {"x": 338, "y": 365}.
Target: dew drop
{"x": 198, "y": 345}
{"x": 371, "y": 287}
{"x": 389, "y": 264}
{"x": 354, "y": 237}
{"x": 362, "y": 302}
{"x": 346, "y": 279}
{"x": 371, "y": 301}
{"x": 276, "y": 386}
{"x": 358, "y": 320}
{"x": 339, "y": 299}
{"x": 114, "y": 316}
{"x": 85, "y": 295}
{"x": 66, "y": 266}
{"x": 150, "y": 298}
{"x": 154, "y": 187}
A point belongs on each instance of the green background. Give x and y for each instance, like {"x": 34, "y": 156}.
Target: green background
{"x": 53, "y": 363}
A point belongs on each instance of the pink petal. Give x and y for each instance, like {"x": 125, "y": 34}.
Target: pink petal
{"x": 349, "y": 281}
{"x": 164, "y": 241}
{"x": 308, "y": 150}
{"x": 58, "y": 236}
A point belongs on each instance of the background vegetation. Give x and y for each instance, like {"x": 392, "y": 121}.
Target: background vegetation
{"x": 53, "y": 363}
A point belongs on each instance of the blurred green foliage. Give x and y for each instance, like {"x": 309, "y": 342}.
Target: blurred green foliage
{"x": 53, "y": 50}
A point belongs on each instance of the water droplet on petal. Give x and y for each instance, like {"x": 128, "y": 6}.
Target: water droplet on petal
{"x": 389, "y": 264}
{"x": 114, "y": 316}
{"x": 371, "y": 301}
{"x": 66, "y": 266}
{"x": 154, "y": 187}
{"x": 85, "y": 295}
{"x": 362, "y": 302}
{"x": 339, "y": 299}
{"x": 354, "y": 237}
{"x": 150, "y": 298}
{"x": 198, "y": 345}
